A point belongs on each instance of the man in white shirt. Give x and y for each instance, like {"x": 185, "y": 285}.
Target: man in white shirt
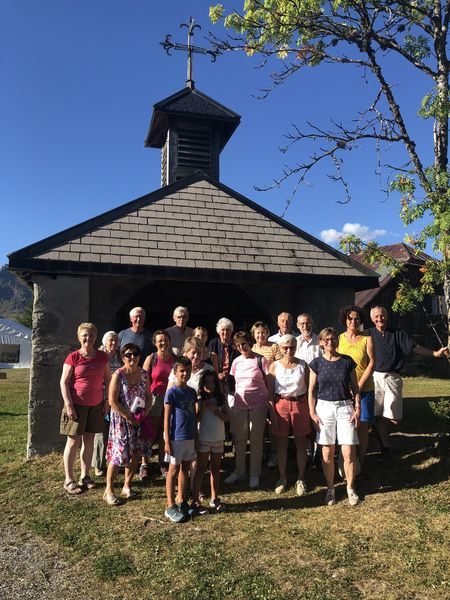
{"x": 307, "y": 342}
{"x": 179, "y": 332}
{"x": 284, "y": 322}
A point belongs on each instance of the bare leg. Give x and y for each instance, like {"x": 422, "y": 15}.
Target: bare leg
{"x": 216, "y": 458}
{"x": 282, "y": 445}
{"x": 348, "y": 452}
{"x": 328, "y": 465}
{"x": 130, "y": 470}
{"x": 87, "y": 449}
{"x": 172, "y": 475}
{"x": 111, "y": 475}
{"x": 192, "y": 472}
{"x": 202, "y": 463}
{"x": 301, "y": 444}
{"x": 70, "y": 452}
{"x": 183, "y": 476}
{"x": 381, "y": 425}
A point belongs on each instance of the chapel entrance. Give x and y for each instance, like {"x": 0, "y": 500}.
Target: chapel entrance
{"x": 207, "y": 302}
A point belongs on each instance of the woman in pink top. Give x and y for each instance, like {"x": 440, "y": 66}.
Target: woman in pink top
{"x": 158, "y": 366}
{"x": 85, "y": 377}
{"x": 249, "y": 412}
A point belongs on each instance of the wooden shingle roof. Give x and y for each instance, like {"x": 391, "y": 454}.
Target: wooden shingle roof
{"x": 195, "y": 228}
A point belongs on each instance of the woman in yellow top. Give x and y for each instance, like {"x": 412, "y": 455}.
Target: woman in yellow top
{"x": 359, "y": 347}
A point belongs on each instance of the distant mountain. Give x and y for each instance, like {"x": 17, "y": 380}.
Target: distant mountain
{"x": 14, "y": 294}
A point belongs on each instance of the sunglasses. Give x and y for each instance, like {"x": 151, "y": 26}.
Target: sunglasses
{"x": 130, "y": 355}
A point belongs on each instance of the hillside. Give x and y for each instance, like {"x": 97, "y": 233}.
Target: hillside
{"x": 14, "y": 294}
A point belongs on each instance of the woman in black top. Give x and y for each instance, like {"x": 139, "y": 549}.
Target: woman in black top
{"x": 334, "y": 406}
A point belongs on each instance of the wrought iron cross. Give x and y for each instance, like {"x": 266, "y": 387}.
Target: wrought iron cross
{"x": 168, "y": 46}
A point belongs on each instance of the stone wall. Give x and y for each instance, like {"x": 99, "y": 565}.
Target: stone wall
{"x": 61, "y": 303}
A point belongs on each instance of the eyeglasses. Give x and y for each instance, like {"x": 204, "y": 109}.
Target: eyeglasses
{"x": 130, "y": 355}
{"x": 353, "y": 319}
{"x": 289, "y": 348}
{"x": 330, "y": 340}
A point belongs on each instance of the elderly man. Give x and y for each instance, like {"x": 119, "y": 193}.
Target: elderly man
{"x": 179, "y": 332}
{"x": 391, "y": 346}
{"x": 307, "y": 342}
{"x": 284, "y": 322}
{"x": 136, "y": 334}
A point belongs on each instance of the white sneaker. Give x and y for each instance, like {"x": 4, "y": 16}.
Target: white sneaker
{"x": 330, "y": 499}
{"x": 254, "y": 482}
{"x": 280, "y": 488}
{"x": 234, "y": 477}
{"x": 353, "y": 498}
{"x": 300, "y": 487}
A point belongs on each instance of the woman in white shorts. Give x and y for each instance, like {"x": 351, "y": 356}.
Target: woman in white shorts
{"x": 335, "y": 408}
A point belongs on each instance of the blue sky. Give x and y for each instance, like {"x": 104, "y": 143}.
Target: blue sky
{"x": 79, "y": 80}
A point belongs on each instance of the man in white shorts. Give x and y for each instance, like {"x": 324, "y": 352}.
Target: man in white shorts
{"x": 391, "y": 346}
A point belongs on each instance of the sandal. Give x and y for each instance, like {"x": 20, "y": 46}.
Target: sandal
{"x": 111, "y": 499}
{"x": 86, "y": 483}
{"x": 72, "y": 488}
{"x": 127, "y": 493}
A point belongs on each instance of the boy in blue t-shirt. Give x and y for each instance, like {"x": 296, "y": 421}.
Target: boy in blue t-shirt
{"x": 179, "y": 438}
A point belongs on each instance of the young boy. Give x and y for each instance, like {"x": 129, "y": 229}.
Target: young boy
{"x": 179, "y": 438}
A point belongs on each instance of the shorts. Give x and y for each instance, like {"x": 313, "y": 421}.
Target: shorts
{"x": 182, "y": 451}
{"x": 213, "y": 447}
{"x": 293, "y": 415}
{"x": 90, "y": 419}
{"x": 335, "y": 417}
{"x": 157, "y": 408}
{"x": 367, "y": 407}
{"x": 388, "y": 395}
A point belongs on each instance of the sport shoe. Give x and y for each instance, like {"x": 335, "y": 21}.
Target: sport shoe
{"x": 254, "y": 482}
{"x": 280, "y": 488}
{"x": 198, "y": 508}
{"x": 216, "y": 504}
{"x": 300, "y": 487}
{"x": 143, "y": 472}
{"x": 187, "y": 510}
{"x": 330, "y": 499}
{"x": 273, "y": 461}
{"x": 174, "y": 514}
{"x": 234, "y": 477}
{"x": 353, "y": 498}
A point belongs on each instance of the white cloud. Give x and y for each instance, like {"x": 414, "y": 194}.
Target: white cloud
{"x": 332, "y": 236}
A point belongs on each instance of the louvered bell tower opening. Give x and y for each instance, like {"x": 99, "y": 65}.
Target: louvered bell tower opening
{"x": 191, "y": 129}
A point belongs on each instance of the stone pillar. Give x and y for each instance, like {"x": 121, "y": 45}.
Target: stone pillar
{"x": 61, "y": 303}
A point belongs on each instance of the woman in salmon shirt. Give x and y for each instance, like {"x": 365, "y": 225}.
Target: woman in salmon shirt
{"x": 248, "y": 415}
{"x": 85, "y": 377}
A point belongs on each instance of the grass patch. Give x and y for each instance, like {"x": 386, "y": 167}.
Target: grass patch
{"x": 392, "y": 546}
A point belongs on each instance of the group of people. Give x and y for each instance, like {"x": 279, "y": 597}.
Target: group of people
{"x": 172, "y": 389}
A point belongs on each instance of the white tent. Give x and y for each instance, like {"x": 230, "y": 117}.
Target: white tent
{"x": 15, "y": 345}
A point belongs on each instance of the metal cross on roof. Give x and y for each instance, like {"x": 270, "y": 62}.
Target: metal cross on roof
{"x": 168, "y": 46}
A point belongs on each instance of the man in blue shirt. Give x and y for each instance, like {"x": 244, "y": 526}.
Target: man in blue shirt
{"x": 391, "y": 346}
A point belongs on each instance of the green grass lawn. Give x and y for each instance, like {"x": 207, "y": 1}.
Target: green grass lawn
{"x": 394, "y": 545}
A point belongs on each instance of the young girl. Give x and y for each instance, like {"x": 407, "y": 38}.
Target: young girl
{"x": 213, "y": 411}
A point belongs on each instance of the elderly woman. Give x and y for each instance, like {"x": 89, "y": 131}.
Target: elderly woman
{"x": 249, "y": 412}
{"x": 260, "y": 331}
{"x": 335, "y": 408}
{"x": 226, "y": 353}
{"x": 84, "y": 378}
{"x": 158, "y": 366}
{"x": 110, "y": 346}
{"x": 130, "y": 401}
{"x": 360, "y": 347}
{"x": 288, "y": 390}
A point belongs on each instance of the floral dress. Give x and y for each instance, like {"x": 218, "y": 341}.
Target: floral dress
{"x": 126, "y": 440}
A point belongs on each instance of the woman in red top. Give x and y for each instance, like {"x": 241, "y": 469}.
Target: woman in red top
{"x": 84, "y": 379}
{"x": 158, "y": 366}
